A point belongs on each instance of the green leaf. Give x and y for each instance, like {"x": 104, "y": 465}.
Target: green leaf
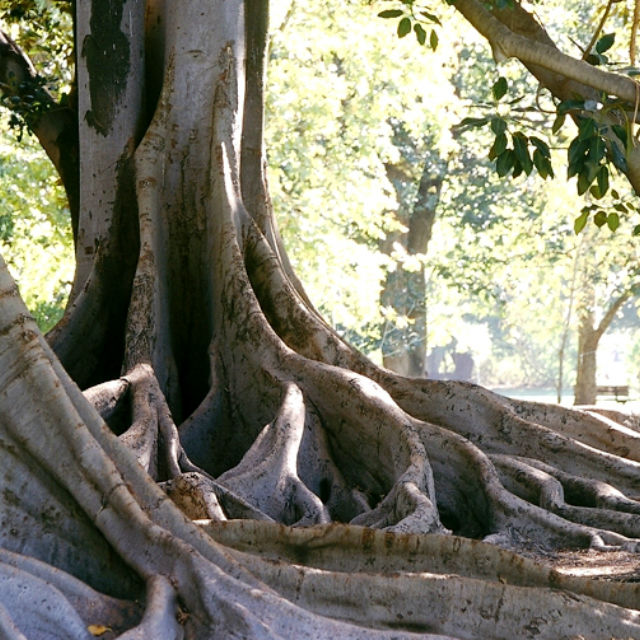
{"x": 587, "y": 128}
{"x": 580, "y": 222}
{"x": 636, "y": 230}
{"x": 613, "y": 221}
{"x": 541, "y": 146}
{"x": 576, "y": 156}
{"x": 499, "y": 88}
{"x": 605, "y": 43}
{"x": 433, "y": 39}
{"x": 595, "y": 59}
{"x": 505, "y": 162}
{"x": 597, "y": 149}
{"x": 470, "y": 123}
{"x": 517, "y": 168}
{"x": 421, "y": 34}
{"x": 391, "y": 13}
{"x": 570, "y": 105}
{"x": 583, "y": 183}
{"x": 558, "y": 122}
{"x": 621, "y": 133}
{"x": 498, "y": 125}
{"x": 543, "y": 164}
{"x": 430, "y": 17}
{"x": 521, "y": 150}
{"x": 499, "y": 146}
{"x": 603, "y": 180}
{"x": 404, "y": 26}
{"x": 618, "y": 159}
{"x": 600, "y": 218}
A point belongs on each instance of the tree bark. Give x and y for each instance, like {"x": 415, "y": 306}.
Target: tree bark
{"x": 586, "y": 369}
{"x": 235, "y": 470}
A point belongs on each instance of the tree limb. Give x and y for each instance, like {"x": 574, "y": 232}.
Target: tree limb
{"x": 541, "y": 52}
{"x": 611, "y": 313}
{"x": 515, "y": 33}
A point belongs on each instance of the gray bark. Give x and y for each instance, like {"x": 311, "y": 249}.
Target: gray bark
{"x": 245, "y": 473}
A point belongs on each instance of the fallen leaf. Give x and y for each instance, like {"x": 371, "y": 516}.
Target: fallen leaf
{"x": 98, "y": 629}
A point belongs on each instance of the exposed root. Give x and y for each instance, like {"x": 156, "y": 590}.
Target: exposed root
{"x": 162, "y": 617}
{"x": 540, "y": 487}
{"x": 268, "y": 472}
{"x": 487, "y": 584}
{"x": 281, "y": 423}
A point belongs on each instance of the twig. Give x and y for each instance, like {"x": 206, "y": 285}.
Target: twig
{"x": 599, "y": 28}
{"x": 634, "y": 32}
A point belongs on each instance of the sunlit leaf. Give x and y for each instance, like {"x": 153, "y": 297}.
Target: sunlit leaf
{"x": 433, "y": 40}
{"x": 499, "y": 88}
{"x": 580, "y": 222}
{"x": 613, "y": 221}
{"x": 391, "y": 13}
{"x": 600, "y": 218}
{"x": 404, "y": 26}
{"x": 605, "y": 43}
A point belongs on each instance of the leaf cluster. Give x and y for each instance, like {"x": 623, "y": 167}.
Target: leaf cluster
{"x": 30, "y": 100}
{"x": 514, "y": 152}
{"x": 414, "y": 17}
{"x": 609, "y": 215}
{"x": 597, "y": 57}
{"x": 43, "y": 31}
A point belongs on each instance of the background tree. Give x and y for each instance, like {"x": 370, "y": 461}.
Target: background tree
{"x": 218, "y": 406}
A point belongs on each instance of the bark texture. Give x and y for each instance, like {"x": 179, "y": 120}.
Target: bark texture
{"x": 245, "y": 473}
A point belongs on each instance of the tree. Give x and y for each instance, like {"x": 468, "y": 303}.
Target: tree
{"x": 219, "y": 408}
{"x": 603, "y": 294}
{"x": 404, "y": 336}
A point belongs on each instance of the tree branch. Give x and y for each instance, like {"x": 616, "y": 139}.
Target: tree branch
{"x": 611, "y": 313}
{"x": 541, "y": 52}
{"x": 634, "y": 32}
{"x": 515, "y": 33}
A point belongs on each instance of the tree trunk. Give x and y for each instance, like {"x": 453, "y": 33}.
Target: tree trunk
{"x": 588, "y": 339}
{"x": 404, "y": 341}
{"x": 236, "y": 470}
{"x": 585, "y": 390}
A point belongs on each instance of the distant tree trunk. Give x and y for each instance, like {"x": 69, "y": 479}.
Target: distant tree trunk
{"x": 588, "y": 338}
{"x": 404, "y": 291}
{"x": 589, "y": 335}
{"x": 567, "y": 324}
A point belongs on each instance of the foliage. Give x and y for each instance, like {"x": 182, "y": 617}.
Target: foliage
{"x": 35, "y": 235}
{"x": 43, "y": 30}
{"x": 335, "y": 88}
